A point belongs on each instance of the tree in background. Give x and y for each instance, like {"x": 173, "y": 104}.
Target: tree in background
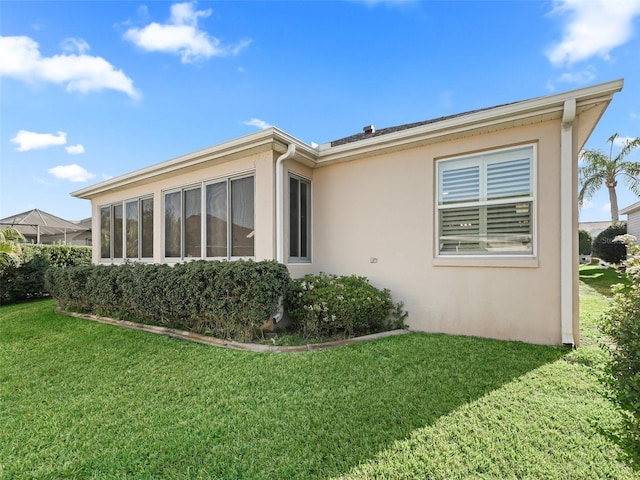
{"x": 10, "y": 246}
{"x": 600, "y": 169}
{"x": 585, "y": 241}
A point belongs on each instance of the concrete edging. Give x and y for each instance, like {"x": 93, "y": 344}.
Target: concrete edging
{"x": 216, "y": 342}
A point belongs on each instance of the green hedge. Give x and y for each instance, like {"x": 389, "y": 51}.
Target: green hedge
{"x": 604, "y": 246}
{"x": 223, "y": 299}
{"x": 585, "y": 242}
{"x": 25, "y": 280}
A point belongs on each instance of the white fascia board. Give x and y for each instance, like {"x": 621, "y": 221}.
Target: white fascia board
{"x": 272, "y": 137}
{"x": 630, "y": 209}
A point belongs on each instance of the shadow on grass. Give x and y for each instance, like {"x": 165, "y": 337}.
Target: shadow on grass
{"x": 133, "y": 405}
{"x": 601, "y": 279}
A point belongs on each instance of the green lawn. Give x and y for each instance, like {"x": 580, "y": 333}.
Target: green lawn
{"x": 85, "y": 400}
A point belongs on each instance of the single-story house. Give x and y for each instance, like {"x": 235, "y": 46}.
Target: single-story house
{"x": 38, "y": 226}
{"x": 468, "y": 219}
{"x": 633, "y": 219}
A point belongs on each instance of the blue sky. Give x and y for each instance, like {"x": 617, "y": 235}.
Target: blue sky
{"x": 90, "y": 90}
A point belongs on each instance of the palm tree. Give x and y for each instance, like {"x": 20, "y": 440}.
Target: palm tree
{"x": 601, "y": 169}
{"x": 9, "y": 246}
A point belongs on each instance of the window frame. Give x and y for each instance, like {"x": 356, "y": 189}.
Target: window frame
{"x": 308, "y": 211}
{"x": 110, "y": 208}
{"x": 480, "y": 257}
{"x": 228, "y": 181}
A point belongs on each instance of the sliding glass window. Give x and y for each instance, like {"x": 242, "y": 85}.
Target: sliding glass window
{"x": 199, "y": 215}
{"x": 122, "y": 232}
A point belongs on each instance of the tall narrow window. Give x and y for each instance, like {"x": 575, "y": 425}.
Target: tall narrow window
{"x": 105, "y": 232}
{"x": 172, "y": 224}
{"x": 192, "y": 223}
{"x": 131, "y": 228}
{"x": 242, "y": 217}
{"x": 118, "y": 240}
{"x": 216, "y": 205}
{"x": 147, "y": 227}
{"x": 299, "y": 219}
{"x": 485, "y": 203}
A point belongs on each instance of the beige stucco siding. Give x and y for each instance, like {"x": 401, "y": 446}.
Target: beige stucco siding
{"x": 376, "y": 217}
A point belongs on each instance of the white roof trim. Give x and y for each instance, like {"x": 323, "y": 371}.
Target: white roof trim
{"x": 630, "y": 209}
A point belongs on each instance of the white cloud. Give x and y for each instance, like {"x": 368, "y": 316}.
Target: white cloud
{"x": 75, "y": 45}
{"x": 31, "y": 141}
{"x": 181, "y": 35}
{"x": 74, "y": 149}
{"x": 633, "y": 116}
{"x": 256, "y": 122}
{"x": 582, "y": 77}
{"x": 20, "y": 58}
{"x": 586, "y": 203}
{"x": 594, "y": 28}
{"x": 606, "y": 207}
{"x": 73, "y": 173}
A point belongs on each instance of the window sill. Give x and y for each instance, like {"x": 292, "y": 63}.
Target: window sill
{"x": 298, "y": 261}
{"x": 480, "y": 261}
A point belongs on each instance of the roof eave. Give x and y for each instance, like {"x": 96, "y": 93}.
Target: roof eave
{"x": 269, "y": 138}
{"x": 630, "y": 209}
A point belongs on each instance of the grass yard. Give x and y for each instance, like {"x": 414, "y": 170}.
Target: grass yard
{"x": 84, "y": 400}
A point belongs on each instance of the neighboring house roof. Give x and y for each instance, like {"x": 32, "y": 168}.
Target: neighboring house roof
{"x": 630, "y": 209}
{"x": 594, "y": 98}
{"x": 594, "y": 228}
{"x": 29, "y": 222}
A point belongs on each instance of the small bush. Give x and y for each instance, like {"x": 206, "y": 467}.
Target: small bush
{"x": 606, "y": 249}
{"x": 585, "y": 242}
{"x": 622, "y": 325}
{"x": 224, "y": 299}
{"x": 327, "y": 305}
{"x": 26, "y": 278}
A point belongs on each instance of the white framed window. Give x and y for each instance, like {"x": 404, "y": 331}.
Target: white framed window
{"x": 126, "y": 230}
{"x": 486, "y": 203}
{"x": 299, "y": 219}
{"x": 196, "y": 219}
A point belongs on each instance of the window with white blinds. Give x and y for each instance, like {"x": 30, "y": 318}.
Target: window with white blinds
{"x": 485, "y": 203}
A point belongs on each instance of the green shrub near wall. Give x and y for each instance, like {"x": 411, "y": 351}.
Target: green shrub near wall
{"x": 327, "y": 305}
{"x": 26, "y": 279}
{"x": 223, "y": 299}
{"x": 622, "y": 325}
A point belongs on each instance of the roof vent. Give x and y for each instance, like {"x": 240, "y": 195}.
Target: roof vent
{"x": 369, "y": 129}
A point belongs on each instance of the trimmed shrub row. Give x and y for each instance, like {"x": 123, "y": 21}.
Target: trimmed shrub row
{"x": 223, "y": 299}
{"x": 25, "y": 279}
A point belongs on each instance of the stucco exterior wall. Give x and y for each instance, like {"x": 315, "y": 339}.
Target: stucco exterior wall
{"x": 376, "y": 217}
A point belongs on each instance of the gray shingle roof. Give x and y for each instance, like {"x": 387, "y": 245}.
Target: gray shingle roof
{"x": 385, "y": 131}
